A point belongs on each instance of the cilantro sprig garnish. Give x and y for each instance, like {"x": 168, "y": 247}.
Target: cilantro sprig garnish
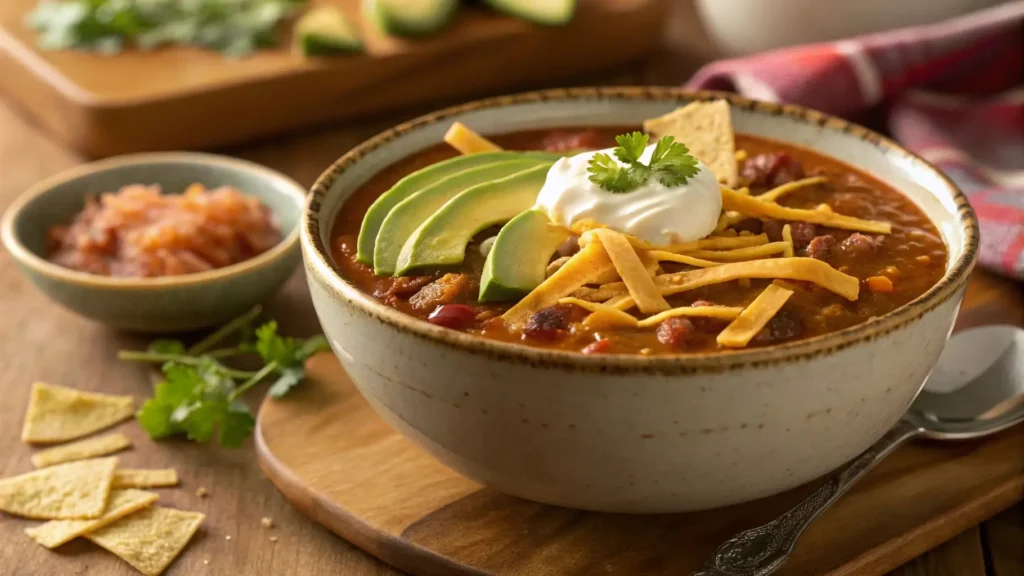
{"x": 671, "y": 164}
{"x": 199, "y": 395}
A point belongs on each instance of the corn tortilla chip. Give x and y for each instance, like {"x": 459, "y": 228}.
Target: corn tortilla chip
{"x": 127, "y": 478}
{"x": 706, "y": 129}
{"x": 89, "y": 448}
{"x": 76, "y": 490}
{"x": 58, "y": 414}
{"x": 122, "y": 503}
{"x": 149, "y": 539}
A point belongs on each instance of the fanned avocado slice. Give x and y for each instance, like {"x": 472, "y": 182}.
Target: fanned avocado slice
{"x": 420, "y": 179}
{"x": 326, "y": 30}
{"x": 518, "y": 261}
{"x": 410, "y": 17}
{"x": 547, "y": 12}
{"x": 407, "y": 216}
{"x": 442, "y": 239}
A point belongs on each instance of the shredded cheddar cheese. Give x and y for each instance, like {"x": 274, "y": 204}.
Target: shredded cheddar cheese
{"x": 754, "y": 317}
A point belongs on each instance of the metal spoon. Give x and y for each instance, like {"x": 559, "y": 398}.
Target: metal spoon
{"x": 976, "y": 389}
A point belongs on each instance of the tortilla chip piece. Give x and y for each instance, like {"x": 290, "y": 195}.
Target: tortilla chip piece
{"x": 76, "y": 490}
{"x": 149, "y": 539}
{"x": 122, "y": 503}
{"x": 706, "y": 129}
{"x": 58, "y": 414}
{"x": 88, "y": 448}
{"x": 127, "y": 478}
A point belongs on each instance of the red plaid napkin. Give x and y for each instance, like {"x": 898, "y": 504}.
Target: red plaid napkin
{"x": 954, "y": 93}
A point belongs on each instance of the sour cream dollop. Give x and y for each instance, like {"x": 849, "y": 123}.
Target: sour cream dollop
{"x": 653, "y": 212}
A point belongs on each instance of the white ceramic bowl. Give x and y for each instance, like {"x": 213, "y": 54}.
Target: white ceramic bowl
{"x": 632, "y": 433}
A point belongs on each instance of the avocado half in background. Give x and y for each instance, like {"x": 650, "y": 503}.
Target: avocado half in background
{"x": 420, "y": 17}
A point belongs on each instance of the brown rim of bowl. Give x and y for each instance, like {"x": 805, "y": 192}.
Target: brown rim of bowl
{"x": 326, "y": 272}
{"x": 22, "y": 254}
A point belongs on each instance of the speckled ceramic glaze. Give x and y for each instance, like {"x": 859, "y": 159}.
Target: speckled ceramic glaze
{"x": 633, "y": 433}
{"x": 167, "y": 304}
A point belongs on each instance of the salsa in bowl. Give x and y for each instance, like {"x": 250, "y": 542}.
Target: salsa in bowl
{"x": 638, "y": 355}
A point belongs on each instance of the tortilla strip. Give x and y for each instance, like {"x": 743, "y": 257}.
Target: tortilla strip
{"x": 641, "y": 287}
{"x": 751, "y": 206}
{"x": 602, "y": 315}
{"x": 587, "y": 265}
{"x": 805, "y": 269}
{"x": 787, "y": 237}
{"x": 721, "y": 312}
{"x": 662, "y": 256}
{"x": 717, "y": 244}
{"x": 774, "y": 194}
{"x": 466, "y": 141}
{"x": 555, "y": 265}
{"x": 742, "y": 254}
{"x": 754, "y": 317}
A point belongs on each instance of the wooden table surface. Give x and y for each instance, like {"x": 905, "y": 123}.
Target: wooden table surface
{"x": 40, "y": 341}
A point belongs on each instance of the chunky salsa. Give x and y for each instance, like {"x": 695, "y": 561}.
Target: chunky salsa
{"x": 868, "y": 274}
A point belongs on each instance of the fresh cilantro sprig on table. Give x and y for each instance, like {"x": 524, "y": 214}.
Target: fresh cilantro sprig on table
{"x": 671, "y": 164}
{"x": 199, "y": 395}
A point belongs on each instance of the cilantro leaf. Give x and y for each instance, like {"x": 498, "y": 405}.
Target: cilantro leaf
{"x": 671, "y": 164}
{"x": 287, "y": 379}
{"x": 166, "y": 346}
{"x": 236, "y": 425}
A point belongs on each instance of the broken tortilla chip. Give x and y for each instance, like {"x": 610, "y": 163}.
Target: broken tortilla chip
{"x": 122, "y": 503}
{"x": 706, "y": 129}
{"x": 127, "y": 478}
{"x": 88, "y": 448}
{"x": 58, "y": 414}
{"x": 76, "y": 490}
{"x": 149, "y": 539}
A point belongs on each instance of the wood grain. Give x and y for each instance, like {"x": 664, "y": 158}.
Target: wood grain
{"x": 186, "y": 98}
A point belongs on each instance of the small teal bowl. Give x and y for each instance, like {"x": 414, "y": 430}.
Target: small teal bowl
{"x": 155, "y": 305}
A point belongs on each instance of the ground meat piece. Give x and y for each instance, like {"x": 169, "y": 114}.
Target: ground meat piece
{"x": 773, "y": 228}
{"x": 752, "y": 225}
{"x": 674, "y": 332}
{"x": 549, "y": 323}
{"x": 785, "y": 325}
{"x": 858, "y": 244}
{"x": 803, "y": 233}
{"x": 569, "y": 247}
{"x": 820, "y": 247}
{"x": 771, "y": 170}
{"x": 454, "y": 316}
{"x": 564, "y": 141}
{"x": 441, "y": 291}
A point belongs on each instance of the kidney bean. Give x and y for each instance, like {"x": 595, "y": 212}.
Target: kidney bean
{"x": 454, "y": 316}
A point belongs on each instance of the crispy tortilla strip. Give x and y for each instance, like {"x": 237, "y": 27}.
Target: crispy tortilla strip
{"x": 583, "y": 268}
{"x": 662, "y": 256}
{"x": 121, "y": 503}
{"x": 555, "y": 265}
{"x": 149, "y": 539}
{"x": 76, "y": 490}
{"x": 728, "y": 218}
{"x": 787, "y": 237}
{"x": 805, "y": 269}
{"x": 706, "y": 129}
{"x": 720, "y": 312}
{"x": 160, "y": 478}
{"x": 88, "y": 448}
{"x": 466, "y": 141}
{"x": 717, "y": 244}
{"x": 602, "y": 315}
{"x": 641, "y": 287}
{"x": 754, "y": 317}
{"x": 751, "y": 206}
{"x": 741, "y": 254}
{"x": 58, "y": 414}
{"x": 650, "y": 264}
{"x": 774, "y": 194}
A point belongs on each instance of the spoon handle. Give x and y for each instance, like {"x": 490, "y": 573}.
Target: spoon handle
{"x": 763, "y": 550}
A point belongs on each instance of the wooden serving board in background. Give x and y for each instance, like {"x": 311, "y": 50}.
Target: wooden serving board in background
{"x": 178, "y": 98}
{"x": 338, "y": 462}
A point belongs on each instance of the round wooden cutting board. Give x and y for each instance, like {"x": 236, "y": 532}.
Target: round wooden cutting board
{"x": 338, "y": 462}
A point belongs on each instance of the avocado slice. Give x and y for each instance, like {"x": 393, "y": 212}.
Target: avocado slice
{"x": 326, "y": 30}
{"x": 407, "y": 216}
{"x": 420, "y": 179}
{"x": 518, "y": 261}
{"x": 410, "y": 17}
{"x": 442, "y": 239}
{"x": 546, "y": 12}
